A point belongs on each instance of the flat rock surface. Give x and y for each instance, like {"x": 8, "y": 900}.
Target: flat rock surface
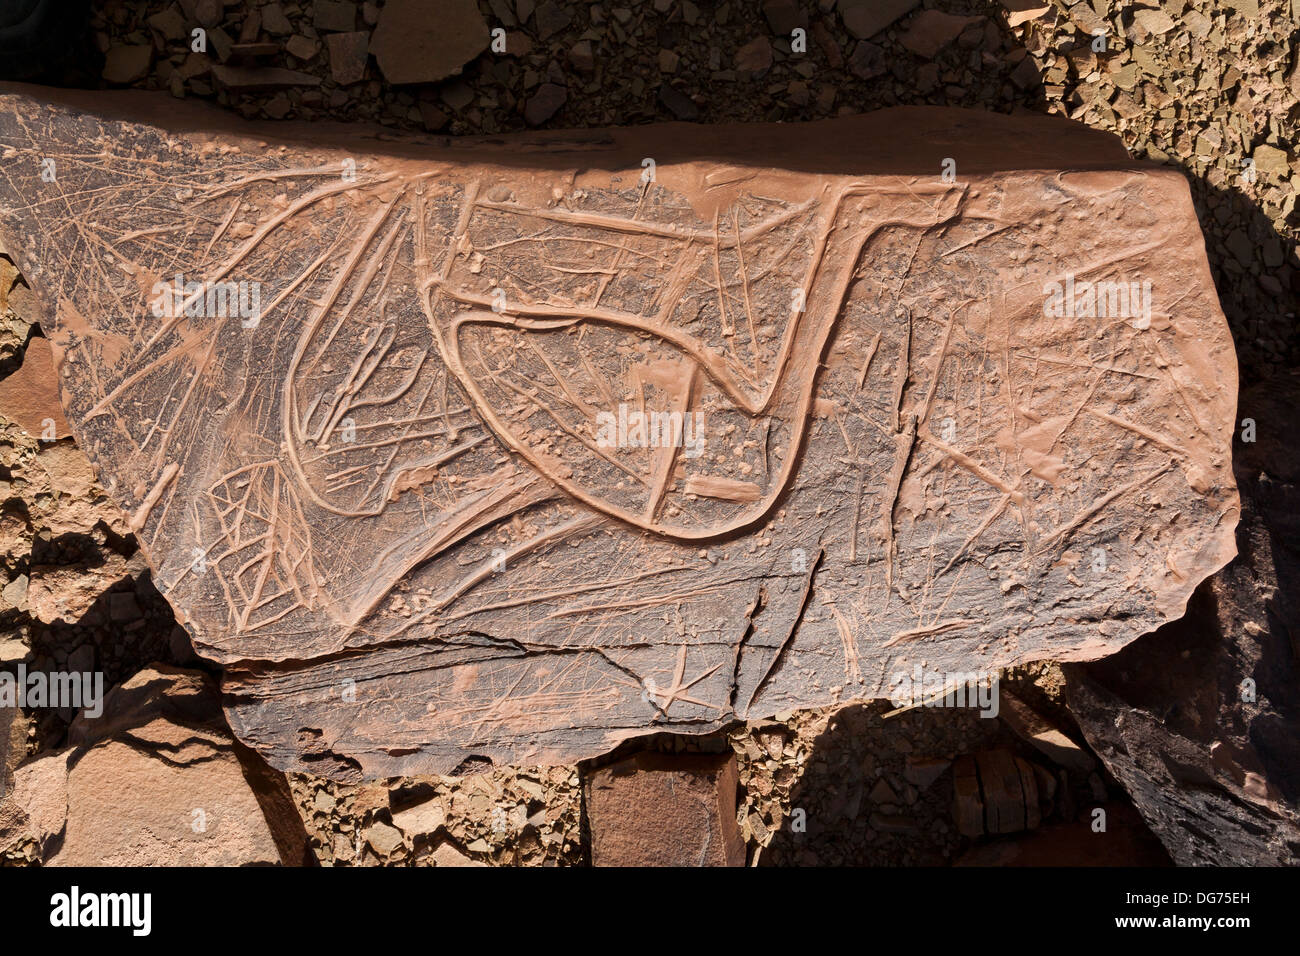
{"x": 413, "y": 44}
{"x": 30, "y": 396}
{"x": 154, "y": 781}
{"x": 655, "y": 809}
{"x": 400, "y": 492}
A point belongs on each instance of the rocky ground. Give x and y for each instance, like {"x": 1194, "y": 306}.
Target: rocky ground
{"x": 1212, "y": 88}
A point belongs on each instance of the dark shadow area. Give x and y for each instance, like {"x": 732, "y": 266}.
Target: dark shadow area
{"x": 48, "y": 41}
{"x": 127, "y": 626}
{"x": 880, "y": 791}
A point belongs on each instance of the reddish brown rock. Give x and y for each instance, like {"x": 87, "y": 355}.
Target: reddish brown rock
{"x": 13, "y": 743}
{"x": 1005, "y": 802}
{"x": 1035, "y": 730}
{"x": 65, "y": 592}
{"x": 995, "y": 792}
{"x": 931, "y": 30}
{"x": 866, "y": 18}
{"x": 412, "y": 44}
{"x": 126, "y": 64}
{"x": 29, "y": 397}
{"x": 155, "y": 781}
{"x": 384, "y": 453}
{"x": 348, "y": 54}
{"x": 1021, "y": 11}
{"x": 545, "y": 103}
{"x": 755, "y": 56}
{"x": 261, "y": 77}
{"x": 656, "y": 809}
{"x": 968, "y": 804}
{"x": 447, "y": 854}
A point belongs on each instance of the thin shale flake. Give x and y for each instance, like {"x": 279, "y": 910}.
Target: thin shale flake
{"x": 515, "y": 448}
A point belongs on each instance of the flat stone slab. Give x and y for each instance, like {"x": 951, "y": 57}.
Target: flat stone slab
{"x": 155, "y": 780}
{"x": 658, "y": 809}
{"x": 516, "y": 448}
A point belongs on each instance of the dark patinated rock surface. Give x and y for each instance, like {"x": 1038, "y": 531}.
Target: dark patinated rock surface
{"x": 516, "y": 448}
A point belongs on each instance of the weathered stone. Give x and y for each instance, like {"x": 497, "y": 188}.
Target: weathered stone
{"x": 1200, "y": 722}
{"x": 868, "y": 60}
{"x": 755, "y": 56}
{"x": 783, "y": 16}
{"x": 1272, "y": 163}
{"x": 420, "y": 820}
{"x": 274, "y": 20}
{"x": 29, "y": 397}
{"x": 1153, "y": 20}
{"x": 155, "y": 781}
{"x": 1036, "y": 731}
{"x": 383, "y": 839}
{"x": 348, "y": 56}
{"x": 656, "y": 809}
{"x": 447, "y": 854}
{"x": 338, "y": 15}
{"x": 304, "y": 48}
{"x": 1021, "y": 11}
{"x": 260, "y": 77}
{"x": 583, "y": 56}
{"x": 551, "y": 18}
{"x": 678, "y": 103}
{"x": 169, "y": 24}
{"x": 1004, "y": 802}
{"x": 545, "y": 103}
{"x": 931, "y": 30}
{"x": 924, "y": 771}
{"x": 413, "y": 47}
{"x": 865, "y": 18}
{"x": 995, "y": 792}
{"x": 13, "y": 743}
{"x": 265, "y": 48}
{"x": 403, "y": 496}
{"x": 968, "y": 803}
{"x": 126, "y": 64}
{"x": 65, "y": 592}
{"x": 15, "y": 642}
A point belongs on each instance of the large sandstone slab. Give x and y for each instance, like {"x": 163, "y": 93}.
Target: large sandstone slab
{"x": 402, "y": 495}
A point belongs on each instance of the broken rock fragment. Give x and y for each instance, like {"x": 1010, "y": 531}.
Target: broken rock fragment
{"x": 1036, "y": 731}
{"x": 415, "y": 43}
{"x": 866, "y": 18}
{"x": 656, "y": 809}
{"x": 155, "y": 780}
{"x": 516, "y": 448}
{"x": 29, "y": 397}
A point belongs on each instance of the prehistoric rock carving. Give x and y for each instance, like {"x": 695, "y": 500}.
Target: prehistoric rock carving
{"x": 515, "y": 449}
